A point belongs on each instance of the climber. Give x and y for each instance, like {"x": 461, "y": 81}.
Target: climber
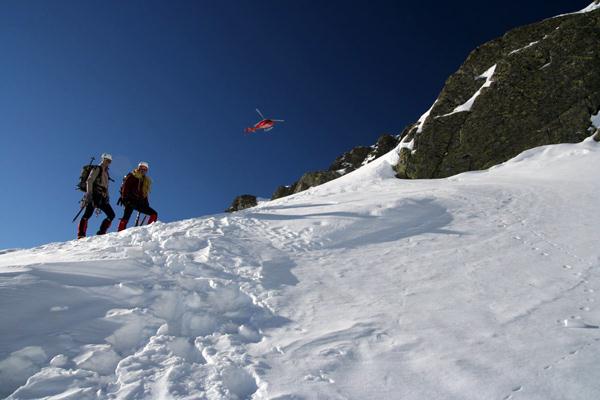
{"x": 134, "y": 195}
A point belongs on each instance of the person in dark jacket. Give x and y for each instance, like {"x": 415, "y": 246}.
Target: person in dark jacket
{"x": 96, "y": 196}
{"x": 134, "y": 195}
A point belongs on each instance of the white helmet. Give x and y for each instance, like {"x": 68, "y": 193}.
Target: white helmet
{"x": 143, "y": 164}
{"x": 106, "y": 156}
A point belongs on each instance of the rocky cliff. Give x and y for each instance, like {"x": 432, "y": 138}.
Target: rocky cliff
{"x": 536, "y": 85}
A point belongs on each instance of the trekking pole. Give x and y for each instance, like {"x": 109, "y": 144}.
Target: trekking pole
{"x": 137, "y": 220}
{"x": 143, "y": 220}
{"x": 80, "y": 210}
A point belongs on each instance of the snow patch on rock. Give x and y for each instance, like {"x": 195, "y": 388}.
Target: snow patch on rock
{"x": 487, "y": 75}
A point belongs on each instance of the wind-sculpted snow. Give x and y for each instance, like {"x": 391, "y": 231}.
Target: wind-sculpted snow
{"x": 479, "y": 286}
{"x": 164, "y": 309}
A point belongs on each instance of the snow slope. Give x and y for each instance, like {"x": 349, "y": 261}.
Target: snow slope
{"x": 594, "y": 5}
{"x": 479, "y": 286}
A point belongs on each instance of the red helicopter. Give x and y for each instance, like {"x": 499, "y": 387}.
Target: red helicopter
{"x": 265, "y": 124}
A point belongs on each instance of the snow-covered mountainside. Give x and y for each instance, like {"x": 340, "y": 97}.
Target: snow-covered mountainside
{"x": 478, "y": 286}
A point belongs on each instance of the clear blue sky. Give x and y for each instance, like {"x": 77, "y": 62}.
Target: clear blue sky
{"x": 174, "y": 83}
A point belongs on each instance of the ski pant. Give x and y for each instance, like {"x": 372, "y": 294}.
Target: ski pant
{"x": 100, "y": 202}
{"x": 141, "y": 205}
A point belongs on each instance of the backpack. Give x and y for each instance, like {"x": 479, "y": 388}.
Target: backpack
{"x": 85, "y": 173}
{"x": 123, "y": 184}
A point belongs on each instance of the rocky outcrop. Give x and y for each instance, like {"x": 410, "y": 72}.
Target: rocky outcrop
{"x": 384, "y": 145}
{"x": 359, "y": 156}
{"x": 312, "y": 179}
{"x": 308, "y": 180}
{"x": 347, "y": 162}
{"x": 350, "y": 160}
{"x": 534, "y": 86}
{"x": 242, "y": 202}
{"x": 283, "y": 191}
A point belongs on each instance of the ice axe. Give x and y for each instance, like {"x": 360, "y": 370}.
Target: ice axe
{"x": 82, "y": 202}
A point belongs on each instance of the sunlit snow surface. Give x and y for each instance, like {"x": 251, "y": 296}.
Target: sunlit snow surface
{"x": 592, "y": 7}
{"x": 480, "y": 286}
{"x": 595, "y": 5}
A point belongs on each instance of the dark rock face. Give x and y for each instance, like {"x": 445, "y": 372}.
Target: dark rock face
{"x": 350, "y": 160}
{"x": 283, "y": 191}
{"x": 384, "y": 145}
{"x": 311, "y": 179}
{"x": 361, "y": 155}
{"x": 242, "y": 202}
{"x": 307, "y": 181}
{"x": 545, "y": 86}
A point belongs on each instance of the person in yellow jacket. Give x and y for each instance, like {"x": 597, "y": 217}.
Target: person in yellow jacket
{"x": 134, "y": 195}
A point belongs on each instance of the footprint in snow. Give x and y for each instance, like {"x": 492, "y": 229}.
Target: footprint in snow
{"x": 322, "y": 377}
{"x": 578, "y": 323}
{"x": 515, "y": 390}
